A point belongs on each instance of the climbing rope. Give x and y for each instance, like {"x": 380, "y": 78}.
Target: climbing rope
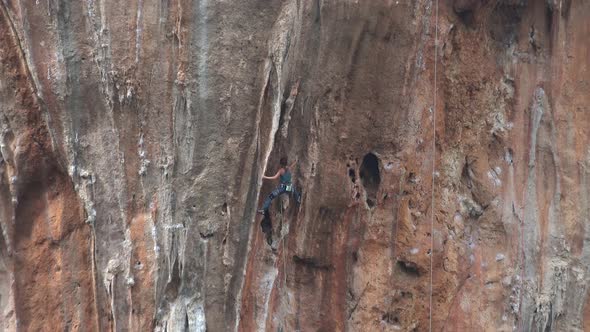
{"x": 433, "y": 159}
{"x": 282, "y": 234}
{"x": 522, "y": 262}
{"x": 282, "y": 288}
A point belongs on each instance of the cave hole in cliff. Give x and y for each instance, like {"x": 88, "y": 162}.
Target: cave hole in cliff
{"x": 467, "y": 17}
{"x": 509, "y": 156}
{"x": 391, "y": 318}
{"x": 352, "y": 175}
{"x": 408, "y": 268}
{"x": 406, "y": 295}
{"x": 504, "y": 22}
{"x": 370, "y": 177}
{"x": 467, "y": 174}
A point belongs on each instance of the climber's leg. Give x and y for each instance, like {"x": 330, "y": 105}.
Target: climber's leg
{"x": 278, "y": 191}
{"x": 266, "y": 224}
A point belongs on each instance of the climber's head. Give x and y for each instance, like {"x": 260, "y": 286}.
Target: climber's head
{"x": 283, "y": 162}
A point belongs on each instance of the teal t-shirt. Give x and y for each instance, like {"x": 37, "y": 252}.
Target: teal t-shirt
{"x": 286, "y": 177}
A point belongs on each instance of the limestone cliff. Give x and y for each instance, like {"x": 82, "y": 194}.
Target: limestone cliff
{"x": 442, "y": 154}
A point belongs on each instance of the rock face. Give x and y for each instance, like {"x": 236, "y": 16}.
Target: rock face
{"x": 442, "y": 154}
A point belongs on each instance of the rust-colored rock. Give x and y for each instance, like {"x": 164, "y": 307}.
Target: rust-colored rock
{"x": 134, "y": 135}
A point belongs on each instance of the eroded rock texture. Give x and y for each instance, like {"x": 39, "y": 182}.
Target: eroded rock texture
{"x": 134, "y": 135}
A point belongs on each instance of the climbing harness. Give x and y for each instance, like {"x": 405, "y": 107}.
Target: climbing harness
{"x": 288, "y": 187}
{"x": 433, "y": 158}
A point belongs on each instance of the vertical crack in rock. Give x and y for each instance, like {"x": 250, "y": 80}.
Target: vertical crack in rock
{"x": 543, "y": 239}
{"x": 275, "y": 67}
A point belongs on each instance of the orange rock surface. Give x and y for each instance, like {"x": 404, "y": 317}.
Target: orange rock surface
{"x": 442, "y": 153}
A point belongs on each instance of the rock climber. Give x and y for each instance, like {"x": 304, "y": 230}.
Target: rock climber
{"x": 285, "y": 185}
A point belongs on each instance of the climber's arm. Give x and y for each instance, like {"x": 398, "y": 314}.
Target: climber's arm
{"x": 293, "y": 164}
{"x": 274, "y": 177}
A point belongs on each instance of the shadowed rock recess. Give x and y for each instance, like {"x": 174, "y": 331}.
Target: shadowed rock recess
{"x": 134, "y": 136}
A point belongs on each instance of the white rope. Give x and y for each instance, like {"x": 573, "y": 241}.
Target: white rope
{"x": 284, "y": 247}
{"x": 433, "y": 159}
